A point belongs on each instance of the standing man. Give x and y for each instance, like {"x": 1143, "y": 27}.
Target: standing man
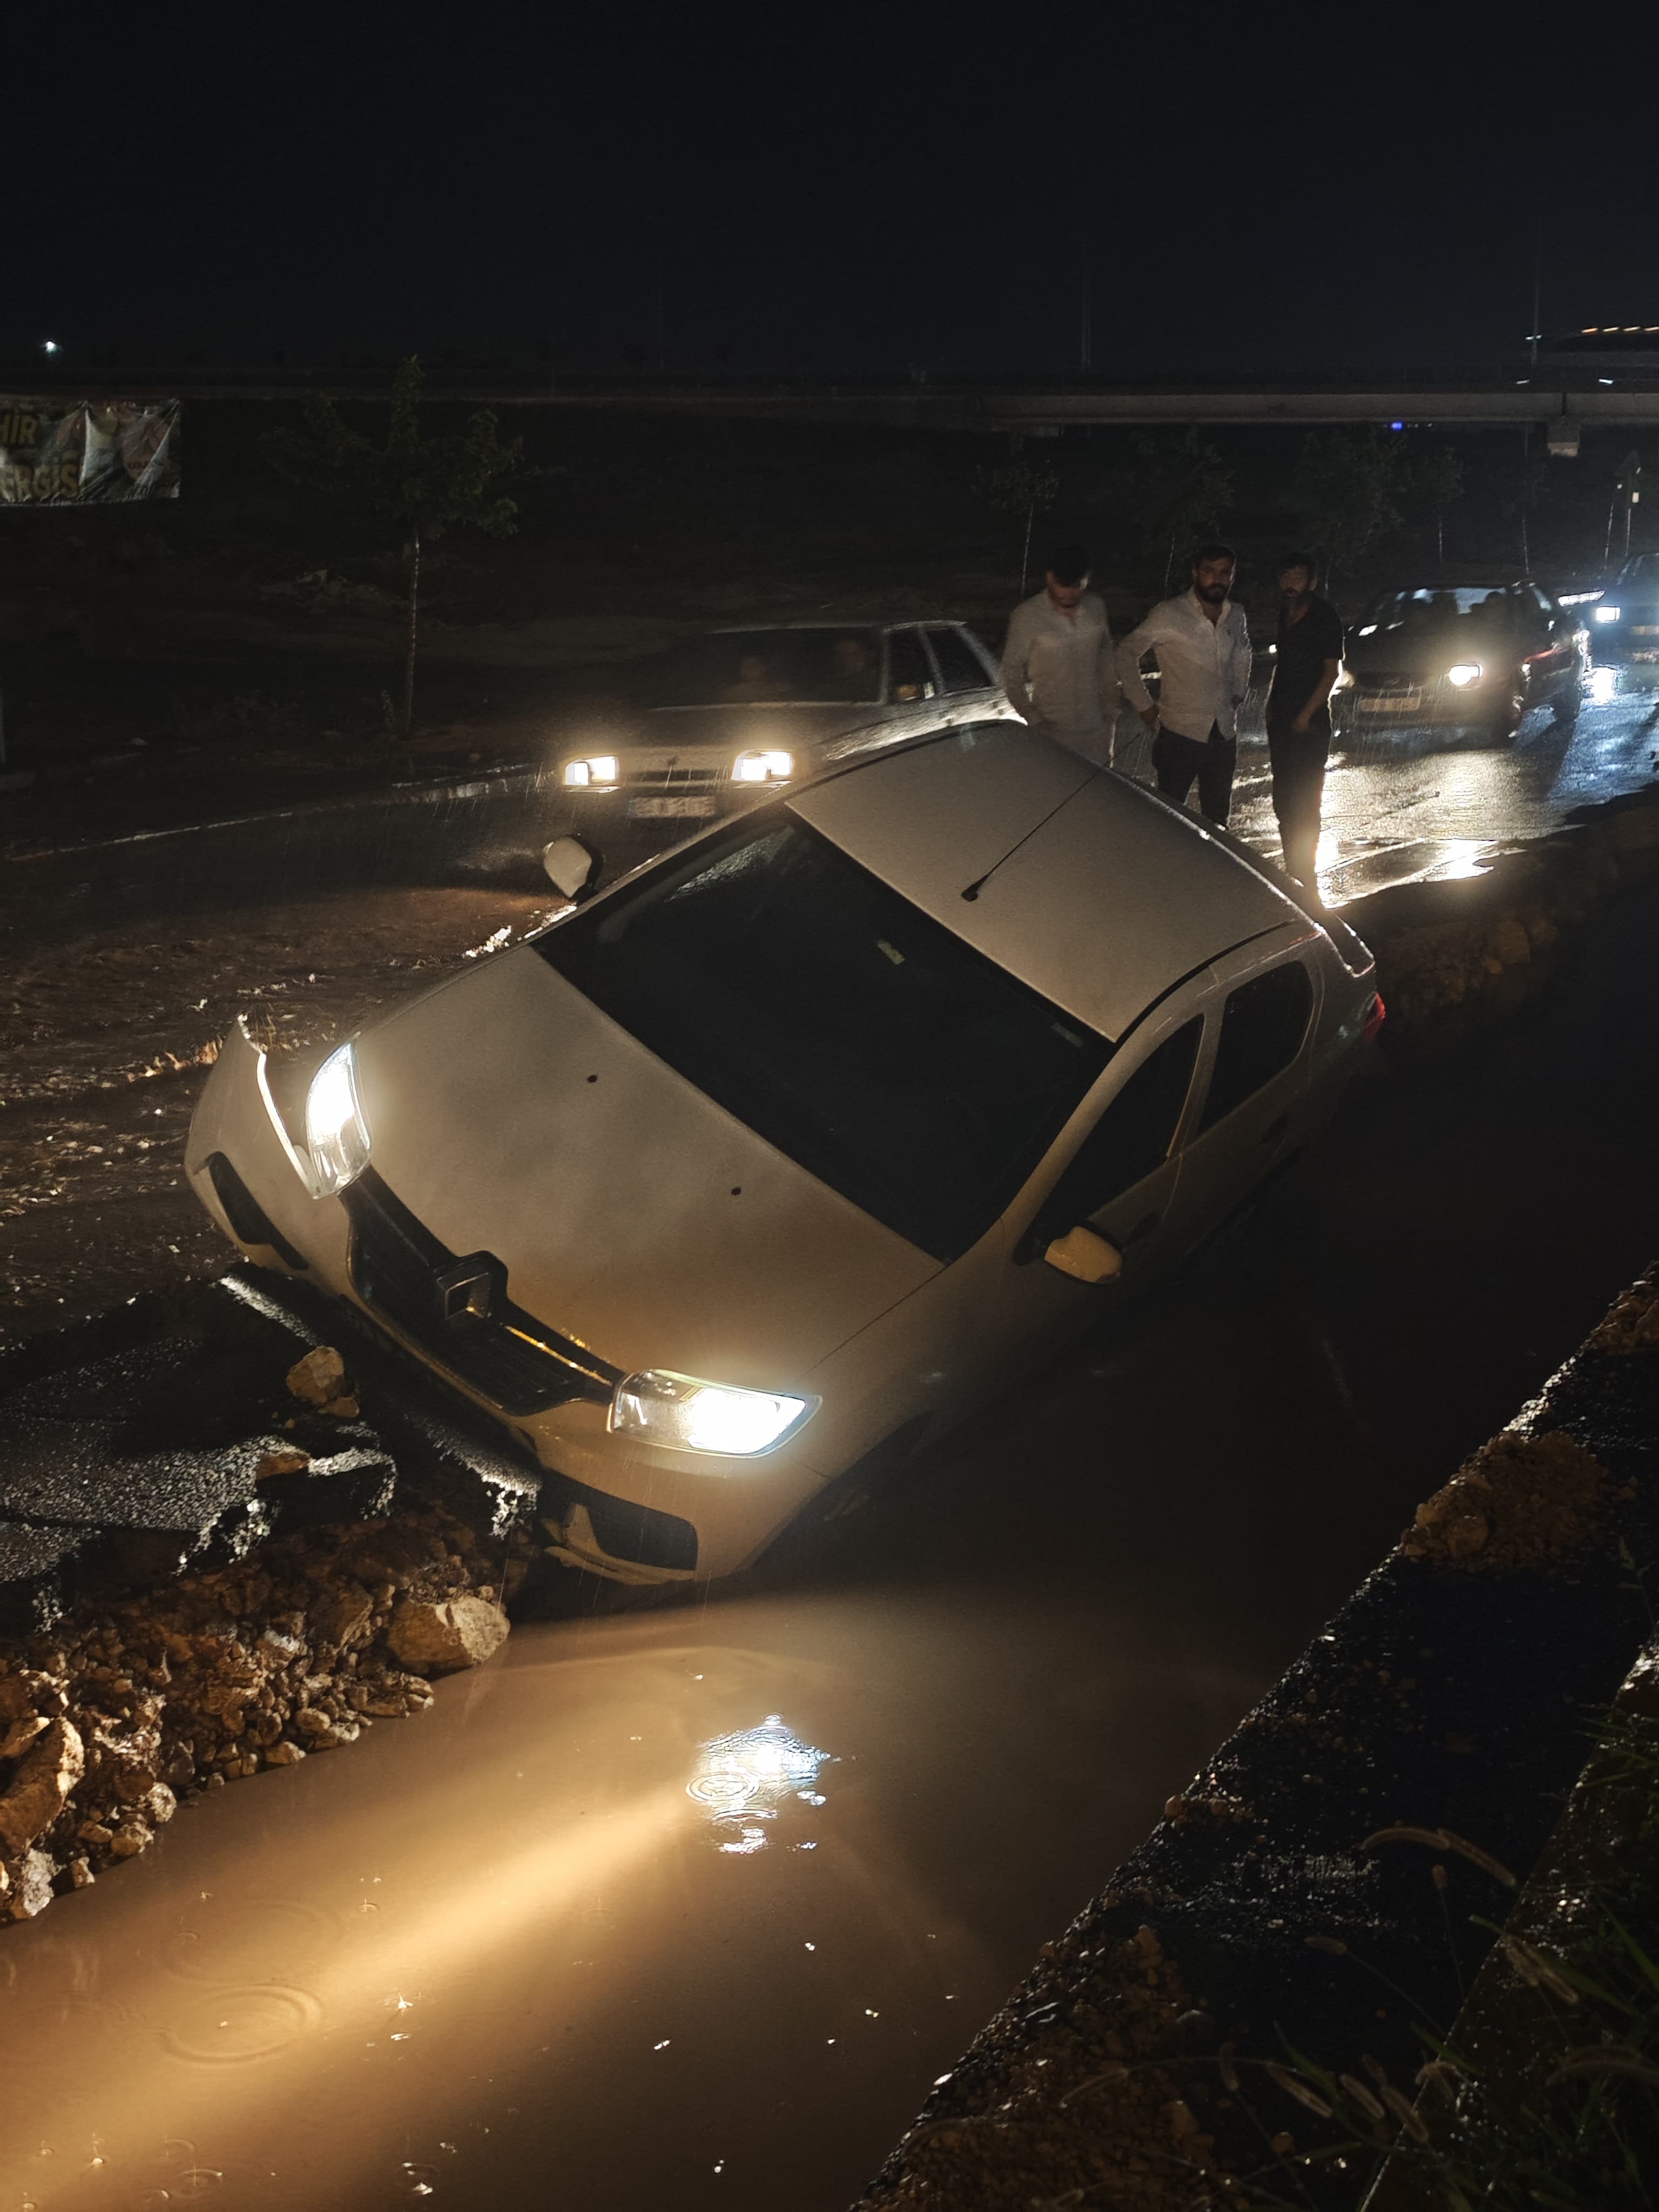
{"x": 1203, "y": 647}
{"x": 1057, "y": 665}
{"x": 1306, "y": 664}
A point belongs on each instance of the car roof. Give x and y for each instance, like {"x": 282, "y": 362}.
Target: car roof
{"x": 1085, "y": 885}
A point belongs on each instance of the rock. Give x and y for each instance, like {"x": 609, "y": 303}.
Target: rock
{"x": 47, "y": 1773}
{"x": 345, "y": 1616}
{"x": 439, "y": 1637}
{"x": 284, "y": 1755}
{"x": 31, "y": 1888}
{"x": 344, "y": 1408}
{"x": 1511, "y": 943}
{"x": 130, "y": 1839}
{"x": 318, "y": 1377}
{"x": 291, "y": 1461}
{"x": 21, "y": 1734}
{"x": 161, "y": 1804}
{"x": 80, "y": 1873}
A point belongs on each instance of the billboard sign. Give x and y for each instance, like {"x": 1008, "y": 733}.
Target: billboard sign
{"x": 87, "y": 452}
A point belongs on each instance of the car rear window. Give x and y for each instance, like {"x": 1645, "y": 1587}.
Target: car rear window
{"x": 860, "y": 1037}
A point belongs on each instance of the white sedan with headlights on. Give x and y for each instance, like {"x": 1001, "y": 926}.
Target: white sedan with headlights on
{"x": 765, "y": 1167}
{"x": 727, "y": 718}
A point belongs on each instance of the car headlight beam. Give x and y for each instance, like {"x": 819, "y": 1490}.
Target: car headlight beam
{"x": 1605, "y": 613}
{"x": 774, "y": 767}
{"x": 686, "y": 1414}
{"x": 1463, "y": 673}
{"x": 336, "y": 1135}
{"x": 592, "y": 774}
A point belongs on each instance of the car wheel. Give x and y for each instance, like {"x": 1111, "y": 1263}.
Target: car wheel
{"x": 1505, "y": 727}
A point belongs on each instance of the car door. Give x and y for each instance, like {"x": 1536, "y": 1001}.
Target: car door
{"x": 1119, "y": 1179}
{"x": 1254, "y": 1097}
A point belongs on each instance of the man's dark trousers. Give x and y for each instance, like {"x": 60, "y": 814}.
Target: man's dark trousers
{"x": 1298, "y": 758}
{"x": 1177, "y": 759}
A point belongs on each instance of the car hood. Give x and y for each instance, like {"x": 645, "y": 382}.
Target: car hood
{"x": 632, "y": 1214}
{"x": 740, "y": 729}
{"x": 1398, "y": 653}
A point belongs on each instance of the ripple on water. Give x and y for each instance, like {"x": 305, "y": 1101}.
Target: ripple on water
{"x": 236, "y": 2026}
{"x": 251, "y": 1939}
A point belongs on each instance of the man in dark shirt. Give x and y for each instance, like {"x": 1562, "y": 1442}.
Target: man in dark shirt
{"x": 1307, "y": 663}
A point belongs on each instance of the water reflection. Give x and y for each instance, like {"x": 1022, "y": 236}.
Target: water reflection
{"x": 742, "y": 1780}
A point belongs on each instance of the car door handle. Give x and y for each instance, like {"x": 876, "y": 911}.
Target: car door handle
{"x": 1275, "y": 1131}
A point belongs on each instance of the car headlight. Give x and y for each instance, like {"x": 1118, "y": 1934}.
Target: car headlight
{"x": 687, "y": 1415}
{"x": 1464, "y": 673}
{"x": 1608, "y": 614}
{"x": 585, "y": 775}
{"x": 762, "y": 767}
{"x": 336, "y": 1135}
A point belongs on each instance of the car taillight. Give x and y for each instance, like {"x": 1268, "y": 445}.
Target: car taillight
{"x": 1375, "y": 1018}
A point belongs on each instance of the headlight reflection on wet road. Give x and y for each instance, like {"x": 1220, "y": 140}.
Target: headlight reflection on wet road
{"x": 742, "y": 1780}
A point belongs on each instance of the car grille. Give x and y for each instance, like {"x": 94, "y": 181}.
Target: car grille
{"x": 1390, "y": 687}
{"x": 456, "y": 1309}
{"x": 678, "y": 779}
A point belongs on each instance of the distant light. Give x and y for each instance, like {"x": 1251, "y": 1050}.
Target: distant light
{"x": 51, "y": 346}
{"x": 1589, "y": 331}
{"x": 1632, "y": 329}
{"x": 1397, "y": 426}
{"x": 1604, "y": 379}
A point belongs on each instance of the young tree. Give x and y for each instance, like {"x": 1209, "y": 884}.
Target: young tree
{"x": 1432, "y": 482}
{"x": 1019, "y": 488}
{"x": 1180, "y": 488}
{"x": 1345, "y": 483}
{"x": 424, "y": 485}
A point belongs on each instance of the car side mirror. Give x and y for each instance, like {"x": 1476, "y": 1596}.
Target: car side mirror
{"x": 1085, "y": 1255}
{"x": 570, "y": 867}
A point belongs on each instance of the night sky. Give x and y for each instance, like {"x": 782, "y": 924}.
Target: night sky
{"x": 908, "y": 192}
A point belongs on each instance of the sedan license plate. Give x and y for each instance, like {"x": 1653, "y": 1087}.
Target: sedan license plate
{"x": 657, "y": 809}
{"x": 1390, "y": 703}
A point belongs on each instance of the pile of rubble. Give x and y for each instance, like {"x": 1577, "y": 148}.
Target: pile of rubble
{"x": 133, "y": 1696}
{"x": 118, "y": 1713}
{"x": 1454, "y": 954}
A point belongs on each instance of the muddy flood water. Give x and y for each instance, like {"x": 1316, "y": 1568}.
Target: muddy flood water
{"x": 687, "y": 1907}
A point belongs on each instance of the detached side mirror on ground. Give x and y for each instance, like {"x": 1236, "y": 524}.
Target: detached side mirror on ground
{"x": 570, "y": 867}
{"x": 1086, "y": 1255}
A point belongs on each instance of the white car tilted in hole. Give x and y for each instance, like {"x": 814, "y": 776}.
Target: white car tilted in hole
{"x": 770, "y": 1162}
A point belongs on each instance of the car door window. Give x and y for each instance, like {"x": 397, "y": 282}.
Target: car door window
{"x": 959, "y": 666}
{"x": 909, "y": 671}
{"x": 1132, "y": 1138}
{"x": 1263, "y": 1026}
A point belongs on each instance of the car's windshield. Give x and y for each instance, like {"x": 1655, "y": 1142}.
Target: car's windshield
{"x": 771, "y": 667}
{"x": 881, "y": 1053}
{"x": 1438, "y": 609}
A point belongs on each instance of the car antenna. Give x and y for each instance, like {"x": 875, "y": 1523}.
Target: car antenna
{"x": 980, "y": 882}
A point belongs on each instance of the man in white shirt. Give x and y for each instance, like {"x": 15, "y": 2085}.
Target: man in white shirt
{"x": 1057, "y": 665}
{"x": 1203, "y": 647}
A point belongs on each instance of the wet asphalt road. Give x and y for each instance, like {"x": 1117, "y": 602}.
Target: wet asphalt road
{"x": 540, "y": 1946}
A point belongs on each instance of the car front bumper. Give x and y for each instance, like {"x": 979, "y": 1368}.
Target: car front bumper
{"x": 669, "y": 1515}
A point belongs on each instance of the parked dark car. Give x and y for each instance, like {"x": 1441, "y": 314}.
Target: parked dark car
{"x": 1474, "y": 657}
{"x": 1623, "y": 623}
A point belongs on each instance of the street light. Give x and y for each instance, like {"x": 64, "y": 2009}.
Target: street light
{"x": 51, "y": 346}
